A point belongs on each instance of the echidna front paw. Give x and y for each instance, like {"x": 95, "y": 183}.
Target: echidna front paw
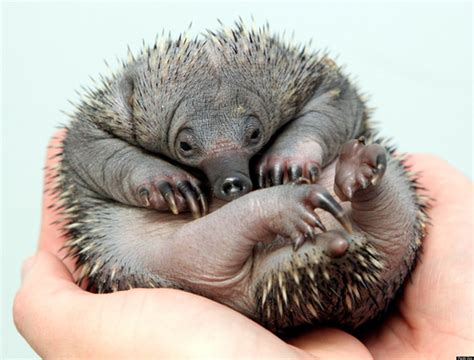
{"x": 358, "y": 167}
{"x": 178, "y": 193}
{"x": 277, "y": 170}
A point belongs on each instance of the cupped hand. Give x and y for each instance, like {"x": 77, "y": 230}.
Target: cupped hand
{"x": 432, "y": 319}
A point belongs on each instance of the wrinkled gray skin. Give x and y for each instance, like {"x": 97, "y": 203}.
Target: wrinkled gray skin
{"x": 132, "y": 149}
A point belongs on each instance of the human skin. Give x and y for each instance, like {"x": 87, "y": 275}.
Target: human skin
{"x": 432, "y": 319}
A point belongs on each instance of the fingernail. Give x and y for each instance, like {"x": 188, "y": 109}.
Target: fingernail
{"x": 26, "y": 267}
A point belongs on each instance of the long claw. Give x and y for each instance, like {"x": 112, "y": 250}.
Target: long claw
{"x": 261, "y": 176}
{"x": 326, "y": 202}
{"x": 168, "y": 194}
{"x": 381, "y": 165}
{"x": 345, "y": 222}
{"x": 313, "y": 173}
{"x": 185, "y": 188}
{"x": 295, "y": 172}
{"x": 276, "y": 175}
{"x": 298, "y": 242}
{"x": 361, "y": 179}
{"x": 202, "y": 200}
{"x": 268, "y": 181}
{"x": 145, "y": 195}
{"x": 319, "y": 223}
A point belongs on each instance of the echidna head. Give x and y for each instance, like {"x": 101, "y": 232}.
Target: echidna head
{"x": 218, "y": 130}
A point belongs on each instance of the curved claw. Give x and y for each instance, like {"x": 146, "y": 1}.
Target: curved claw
{"x": 381, "y": 165}
{"x": 167, "y": 192}
{"x": 319, "y": 223}
{"x": 313, "y": 173}
{"x": 186, "y": 189}
{"x": 261, "y": 176}
{"x": 295, "y": 172}
{"x": 145, "y": 195}
{"x": 345, "y": 222}
{"x": 276, "y": 175}
{"x": 202, "y": 199}
{"x": 326, "y": 202}
{"x": 298, "y": 242}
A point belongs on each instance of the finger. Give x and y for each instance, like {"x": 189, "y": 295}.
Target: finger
{"x": 185, "y": 188}
{"x": 168, "y": 195}
{"x": 45, "y": 269}
{"x": 26, "y": 267}
{"x": 44, "y": 281}
{"x": 329, "y": 343}
{"x": 52, "y": 237}
{"x": 325, "y": 201}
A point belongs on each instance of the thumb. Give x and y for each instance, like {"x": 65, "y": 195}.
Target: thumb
{"x": 46, "y": 287}
{"x": 44, "y": 267}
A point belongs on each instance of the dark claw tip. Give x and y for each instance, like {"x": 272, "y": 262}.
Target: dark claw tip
{"x": 189, "y": 194}
{"x": 296, "y": 172}
{"x": 143, "y": 192}
{"x": 313, "y": 173}
{"x": 298, "y": 242}
{"x": 320, "y": 225}
{"x": 345, "y": 222}
{"x": 381, "y": 162}
{"x": 168, "y": 195}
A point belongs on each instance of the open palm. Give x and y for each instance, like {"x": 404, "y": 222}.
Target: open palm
{"x": 433, "y": 318}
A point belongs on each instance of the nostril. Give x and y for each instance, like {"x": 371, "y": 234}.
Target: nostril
{"x": 232, "y": 186}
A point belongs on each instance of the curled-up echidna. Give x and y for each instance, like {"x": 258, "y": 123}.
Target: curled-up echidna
{"x": 212, "y": 165}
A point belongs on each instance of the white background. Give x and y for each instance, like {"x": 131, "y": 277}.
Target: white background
{"x": 414, "y": 59}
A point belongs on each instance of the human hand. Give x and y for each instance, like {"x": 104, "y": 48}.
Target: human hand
{"x": 434, "y": 317}
{"x": 59, "y": 319}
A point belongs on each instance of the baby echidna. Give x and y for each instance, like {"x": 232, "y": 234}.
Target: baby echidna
{"x": 160, "y": 160}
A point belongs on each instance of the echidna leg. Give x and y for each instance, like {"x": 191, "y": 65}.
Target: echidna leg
{"x": 310, "y": 141}
{"x": 358, "y": 167}
{"x": 384, "y": 205}
{"x": 125, "y": 173}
